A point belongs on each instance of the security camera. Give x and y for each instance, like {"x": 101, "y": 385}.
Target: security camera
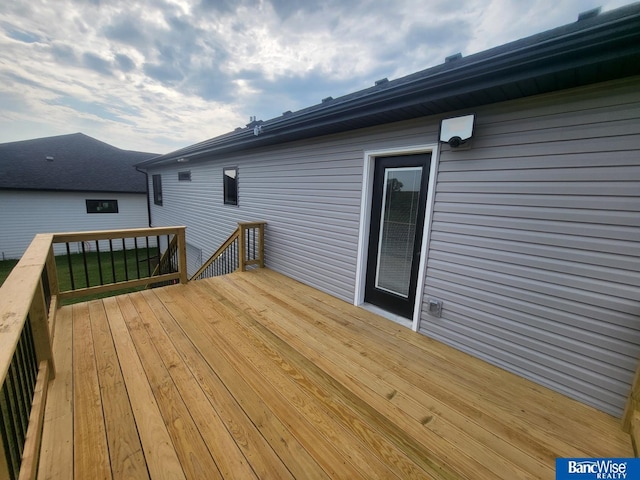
{"x": 455, "y": 142}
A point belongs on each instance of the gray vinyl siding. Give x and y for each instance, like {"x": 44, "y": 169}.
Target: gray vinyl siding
{"x": 534, "y": 242}
{"x": 308, "y": 193}
{"x": 194, "y": 259}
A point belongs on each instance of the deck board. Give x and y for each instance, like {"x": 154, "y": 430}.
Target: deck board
{"x": 90, "y": 450}
{"x": 56, "y": 456}
{"x": 125, "y": 450}
{"x": 254, "y": 375}
{"x": 160, "y": 454}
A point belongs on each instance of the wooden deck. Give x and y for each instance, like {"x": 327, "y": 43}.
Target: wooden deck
{"x": 254, "y": 375}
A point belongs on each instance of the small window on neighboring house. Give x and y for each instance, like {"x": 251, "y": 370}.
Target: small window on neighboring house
{"x": 102, "y": 206}
{"x": 157, "y": 189}
{"x": 184, "y": 176}
{"x": 230, "y": 176}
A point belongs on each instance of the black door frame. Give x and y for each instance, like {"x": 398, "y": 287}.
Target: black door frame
{"x": 386, "y": 300}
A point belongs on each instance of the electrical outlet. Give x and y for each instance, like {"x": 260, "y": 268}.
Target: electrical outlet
{"x": 435, "y": 307}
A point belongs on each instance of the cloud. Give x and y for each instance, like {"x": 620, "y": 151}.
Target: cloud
{"x": 97, "y": 63}
{"x": 158, "y": 74}
{"x": 165, "y": 73}
{"x": 64, "y": 54}
{"x": 124, "y": 63}
{"x": 125, "y": 29}
{"x": 23, "y": 36}
{"x": 95, "y": 109}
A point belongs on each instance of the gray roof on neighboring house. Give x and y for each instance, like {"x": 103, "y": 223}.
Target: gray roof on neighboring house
{"x": 594, "y": 49}
{"x": 73, "y": 162}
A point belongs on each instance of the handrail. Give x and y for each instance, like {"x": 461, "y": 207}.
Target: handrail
{"x": 244, "y": 247}
{"x": 24, "y": 334}
{"x": 228, "y": 243}
{"x": 29, "y": 298}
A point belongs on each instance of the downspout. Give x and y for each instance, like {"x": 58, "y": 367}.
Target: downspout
{"x": 146, "y": 176}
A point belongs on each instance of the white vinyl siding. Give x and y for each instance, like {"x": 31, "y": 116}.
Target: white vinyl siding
{"x": 534, "y": 243}
{"x": 23, "y": 214}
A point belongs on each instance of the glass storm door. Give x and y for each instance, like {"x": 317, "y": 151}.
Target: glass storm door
{"x": 395, "y": 238}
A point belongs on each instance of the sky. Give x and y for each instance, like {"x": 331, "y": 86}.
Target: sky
{"x": 158, "y": 75}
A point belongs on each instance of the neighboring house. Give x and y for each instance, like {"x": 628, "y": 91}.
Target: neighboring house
{"x": 520, "y": 247}
{"x": 67, "y": 183}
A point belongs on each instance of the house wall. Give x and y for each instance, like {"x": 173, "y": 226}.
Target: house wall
{"x": 23, "y": 214}
{"x": 307, "y": 192}
{"x": 534, "y": 239}
{"x": 535, "y": 246}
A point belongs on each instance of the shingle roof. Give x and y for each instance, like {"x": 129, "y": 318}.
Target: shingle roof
{"x": 73, "y": 162}
{"x": 596, "y": 49}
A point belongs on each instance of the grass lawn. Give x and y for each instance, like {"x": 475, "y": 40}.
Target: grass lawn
{"x": 120, "y": 266}
{"x": 5, "y": 268}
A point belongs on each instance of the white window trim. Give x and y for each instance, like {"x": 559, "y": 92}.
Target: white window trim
{"x": 365, "y": 220}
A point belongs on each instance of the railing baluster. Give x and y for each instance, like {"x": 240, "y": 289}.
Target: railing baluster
{"x": 30, "y": 352}
{"x": 124, "y": 252}
{"x": 73, "y": 285}
{"x": 113, "y": 263}
{"x": 21, "y": 429}
{"x": 7, "y": 464}
{"x": 46, "y": 287}
{"x": 22, "y": 377}
{"x": 176, "y": 260}
{"x": 146, "y": 239}
{"x": 160, "y": 251}
{"x": 84, "y": 261}
{"x": 99, "y": 262}
{"x": 9, "y": 432}
{"x": 135, "y": 246}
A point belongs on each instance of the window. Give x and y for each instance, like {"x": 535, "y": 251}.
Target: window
{"x": 184, "y": 176}
{"x": 102, "y": 206}
{"x": 230, "y": 176}
{"x": 157, "y": 189}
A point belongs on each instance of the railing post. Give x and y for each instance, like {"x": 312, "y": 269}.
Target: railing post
{"x": 182, "y": 254}
{"x": 633, "y": 402}
{"x": 54, "y": 290}
{"x": 52, "y": 273}
{"x": 38, "y": 317}
{"x": 242, "y": 242}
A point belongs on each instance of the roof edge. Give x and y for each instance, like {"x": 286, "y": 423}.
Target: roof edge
{"x": 610, "y": 37}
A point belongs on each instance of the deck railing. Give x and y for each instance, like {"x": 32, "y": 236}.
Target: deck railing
{"x": 243, "y": 248}
{"x": 29, "y": 299}
{"x": 119, "y": 259}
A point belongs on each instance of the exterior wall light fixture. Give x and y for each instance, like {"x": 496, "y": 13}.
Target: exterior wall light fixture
{"x": 457, "y": 131}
